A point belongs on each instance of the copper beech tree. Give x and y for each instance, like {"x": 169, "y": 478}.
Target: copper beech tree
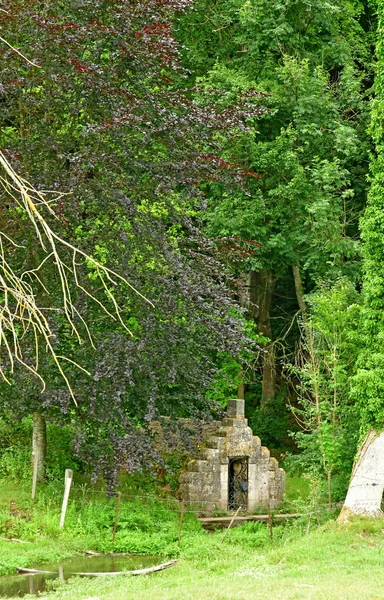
{"x": 110, "y": 152}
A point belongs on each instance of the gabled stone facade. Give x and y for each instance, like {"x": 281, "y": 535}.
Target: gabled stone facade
{"x": 233, "y": 470}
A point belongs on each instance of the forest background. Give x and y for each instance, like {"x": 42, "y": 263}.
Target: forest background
{"x": 216, "y": 155}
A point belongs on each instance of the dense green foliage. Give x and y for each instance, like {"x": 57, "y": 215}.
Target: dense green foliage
{"x": 215, "y": 154}
{"x": 15, "y": 450}
{"x": 326, "y": 361}
{"x": 368, "y": 383}
{"x": 313, "y": 61}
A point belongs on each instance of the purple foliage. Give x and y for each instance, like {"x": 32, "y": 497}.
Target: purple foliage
{"x": 107, "y": 118}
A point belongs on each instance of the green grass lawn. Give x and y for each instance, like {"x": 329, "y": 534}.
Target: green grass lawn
{"x": 314, "y": 560}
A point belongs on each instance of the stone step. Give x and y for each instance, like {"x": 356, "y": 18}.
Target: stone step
{"x": 228, "y": 421}
{"x": 208, "y": 453}
{"x": 265, "y": 453}
{"x": 222, "y": 432}
{"x": 193, "y": 466}
{"x": 273, "y": 464}
{"x": 234, "y": 422}
{"x": 213, "y": 442}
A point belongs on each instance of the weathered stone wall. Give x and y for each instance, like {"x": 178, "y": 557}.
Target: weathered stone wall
{"x": 206, "y": 480}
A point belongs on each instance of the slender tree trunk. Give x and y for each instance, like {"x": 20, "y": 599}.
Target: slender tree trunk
{"x": 268, "y": 387}
{"x": 39, "y": 444}
{"x": 241, "y": 386}
{"x": 261, "y": 286}
{"x": 365, "y": 491}
{"x": 244, "y": 301}
{"x": 299, "y": 288}
{"x": 329, "y": 485}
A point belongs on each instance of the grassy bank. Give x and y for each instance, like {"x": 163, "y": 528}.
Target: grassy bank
{"x": 326, "y": 564}
{"x": 308, "y": 558}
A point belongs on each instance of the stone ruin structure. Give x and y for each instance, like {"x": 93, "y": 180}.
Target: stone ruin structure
{"x": 233, "y": 471}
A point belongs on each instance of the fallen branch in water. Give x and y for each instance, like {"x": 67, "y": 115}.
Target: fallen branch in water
{"x": 113, "y": 554}
{"x": 103, "y": 574}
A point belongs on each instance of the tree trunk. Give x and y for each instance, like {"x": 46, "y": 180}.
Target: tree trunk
{"x": 241, "y": 387}
{"x": 329, "y": 485}
{"x": 243, "y": 293}
{"x": 261, "y": 286}
{"x": 299, "y": 288}
{"x": 367, "y": 483}
{"x": 39, "y": 444}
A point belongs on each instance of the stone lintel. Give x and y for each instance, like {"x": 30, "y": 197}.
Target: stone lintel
{"x": 235, "y": 409}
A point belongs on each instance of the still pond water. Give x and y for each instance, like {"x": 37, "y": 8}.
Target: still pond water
{"x": 16, "y": 586}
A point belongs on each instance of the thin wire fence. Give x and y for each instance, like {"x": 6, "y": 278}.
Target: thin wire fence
{"x": 125, "y": 512}
{"x": 152, "y": 503}
{"x": 53, "y": 491}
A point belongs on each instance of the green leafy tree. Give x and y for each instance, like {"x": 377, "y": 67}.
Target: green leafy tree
{"x": 310, "y": 149}
{"x": 367, "y": 483}
{"x": 326, "y": 361}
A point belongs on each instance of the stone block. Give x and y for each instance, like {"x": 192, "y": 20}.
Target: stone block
{"x": 209, "y": 454}
{"x": 221, "y": 432}
{"x": 273, "y": 464}
{"x": 223, "y": 458}
{"x": 213, "y": 442}
{"x": 235, "y": 408}
{"x": 241, "y": 423}
{"x": 205, "y": 466}
{"x": 265, "y": 453}
{"x": 183, "y": 478}
{"x": 193, "y": 466}
{"x": 228, "y": 422}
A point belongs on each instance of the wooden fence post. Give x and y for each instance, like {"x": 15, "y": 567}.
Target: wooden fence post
{"x": 181, "y": 521}
{"x": 270, "y": 522}
{"x": 68, "y": 483}
{"x": 116, "y": 516}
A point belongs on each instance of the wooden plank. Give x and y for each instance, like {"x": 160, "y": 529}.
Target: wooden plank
{"x": 248, "y": 518}
{"x": 14, "y": 540}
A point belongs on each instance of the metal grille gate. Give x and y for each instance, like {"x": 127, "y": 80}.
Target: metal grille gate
{"x": 238, "y": 483}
